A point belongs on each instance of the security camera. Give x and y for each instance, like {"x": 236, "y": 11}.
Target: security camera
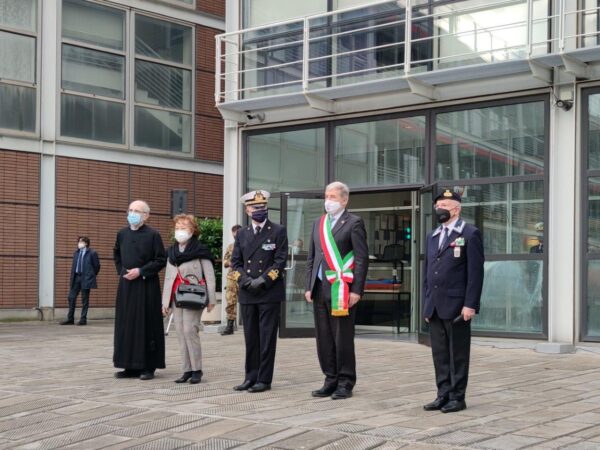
{"x": 565, "y": 105}
{"x": 258, "y": 116}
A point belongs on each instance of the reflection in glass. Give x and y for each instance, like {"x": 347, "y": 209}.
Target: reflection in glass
{"x": 21, "y": 14}
{"x": 94, "y": 119}
{"x": 512, "y": 299}
{"x": 17, "y": 56}
{"x": 594, "y": 215}
{"x": 93, "y": 24}
{"x": 93, "y": 72}
{"x": 161, "y": 85}
{"x": 506, "y": 140}
{"x": 163, "y": 40}
{"x": 162, "y": 130}
{"x": 594, "y": 132}
{"x": 593, "y": 298}
{"x": 263, "y": 12}
{"x": 508, "y": 215}
{"x": 17, "y": 108}
{"x": 287, "y": 161}
{"x": 379, "y": 153}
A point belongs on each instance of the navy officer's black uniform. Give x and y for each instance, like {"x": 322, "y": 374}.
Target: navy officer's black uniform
{"x": 453, "y": 279}
{"x": 258, "y": 261}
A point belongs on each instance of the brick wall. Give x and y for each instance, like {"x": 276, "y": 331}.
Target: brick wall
{"x": 19, "y": 228}
{"x": 215, "y": 7}
{"x": 92, "y": 199}
{"x": 209, "y": 125}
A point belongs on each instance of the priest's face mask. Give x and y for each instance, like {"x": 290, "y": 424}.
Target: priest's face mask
{"x": 137, "y": 214}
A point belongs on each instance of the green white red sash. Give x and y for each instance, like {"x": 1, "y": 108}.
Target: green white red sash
{"x": 341, "y": 269}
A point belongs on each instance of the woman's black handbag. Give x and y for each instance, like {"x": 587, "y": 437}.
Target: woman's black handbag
{"x": 191, "y": 296}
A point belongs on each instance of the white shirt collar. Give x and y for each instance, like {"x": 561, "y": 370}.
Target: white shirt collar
{"x": 261, "y": 225}
{"x": 337, "y": 215}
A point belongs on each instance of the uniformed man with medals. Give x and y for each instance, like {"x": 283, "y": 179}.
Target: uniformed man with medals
{"x": 336, "y": 271}
{"x": 452, "y": 284}
{"x": 258, "y": 263}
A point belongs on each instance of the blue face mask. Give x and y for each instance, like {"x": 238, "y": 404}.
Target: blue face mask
{"x": 260, "y": 215}
{"x": 134, "y": 219}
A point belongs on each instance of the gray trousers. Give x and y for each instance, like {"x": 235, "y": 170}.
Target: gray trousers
{"x": 188, "y": 325}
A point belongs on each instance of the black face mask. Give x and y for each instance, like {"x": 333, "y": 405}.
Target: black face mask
{"x": 260, "y": 215}
{"x": 443, "y": 215}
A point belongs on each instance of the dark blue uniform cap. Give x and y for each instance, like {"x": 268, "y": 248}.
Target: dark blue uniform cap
{"x": 447, "y": 194}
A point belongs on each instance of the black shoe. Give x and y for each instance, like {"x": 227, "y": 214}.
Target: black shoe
{"x": 454, "y": 406}
{"x": 196, "y": 377}
{"x": 67, "y": 322}
{"x": 147, "y": 375}
{"x": 228, "y": 329}
{"x": 341, "y": 393}
{"x": 183, "y": 378}
{"x": 437, "y": 404}
{"x": 82, "y": 322}
{"x": 260, "y": 387}
{"x": 127, "y": 373}
{"x": 324, "y": 391}
{"x": 244, "y": 386}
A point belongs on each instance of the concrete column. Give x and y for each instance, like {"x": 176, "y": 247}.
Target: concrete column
{"x": 49, "y": 10}
{"x": 562, "y": 226}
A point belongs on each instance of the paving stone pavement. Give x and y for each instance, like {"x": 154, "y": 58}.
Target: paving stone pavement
{"x": 57, "y": 390}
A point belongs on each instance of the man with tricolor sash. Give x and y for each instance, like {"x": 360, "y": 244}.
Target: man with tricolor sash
{"x": 336, "y": 271}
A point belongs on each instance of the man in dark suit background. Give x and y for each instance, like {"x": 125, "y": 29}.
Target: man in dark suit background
{"x": 84, "y": 269}
{"x": 335, "y": 328}
{"x": 452, "y": 284}
{"x": 258, "y": 261}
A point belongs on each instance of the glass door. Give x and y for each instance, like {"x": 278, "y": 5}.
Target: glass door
{"x": 426, "y": 224}
{"x": 298, "y": 213}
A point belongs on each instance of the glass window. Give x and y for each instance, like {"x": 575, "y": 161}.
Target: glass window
{"x": 93, "y": 72}
{"x": 98, "y": 120}
{"x": 379, "y": 153}
{"x": 594, "y": 216}
{"x": 20, "y": 14}
{"x": 17, "y": 107}
{"x": 161, "y": 85}
{"x": 262, "y": 12}
{"x": 506, "y": 140}
{"x": 287, "y": 161}
{"x": 508, "y": 215}
{"x": 593, "y": 298}
{"x": 594, "y": 132}
{"x": 17, "y": 54}
{"x": 158, "y": 39}
{"x": 515, "y": 306}
{"x": 93, "y": 24}
{"x": 163, "y": 130}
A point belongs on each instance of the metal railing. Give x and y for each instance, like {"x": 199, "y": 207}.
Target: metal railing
{"x": 394, "y": 39}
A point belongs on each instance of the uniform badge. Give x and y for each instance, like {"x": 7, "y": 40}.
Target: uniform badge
{"x": 457, "y": 252}
{"x": 459, "y": 242}
{"x": 269, "y": 247}
{"x": 273, "y": 274}
{"x": 235, "y": 275}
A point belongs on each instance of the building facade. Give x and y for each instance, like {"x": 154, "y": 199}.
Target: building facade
{"x": 498, "y": 100}
{"x": 101, "y": 103}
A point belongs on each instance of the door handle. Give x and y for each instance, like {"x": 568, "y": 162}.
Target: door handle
{"x": 292, "y": 262}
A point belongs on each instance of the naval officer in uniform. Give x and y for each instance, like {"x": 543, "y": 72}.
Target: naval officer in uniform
{"x": 452, "y": 284}
{"x": 258, "y": 263}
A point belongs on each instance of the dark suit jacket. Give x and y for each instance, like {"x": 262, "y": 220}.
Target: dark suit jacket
{"x": 263, "y": 256}
{"x": 89, "y": 270}
{"x": 451, "y": 282}
{"x": 349, "y": 234}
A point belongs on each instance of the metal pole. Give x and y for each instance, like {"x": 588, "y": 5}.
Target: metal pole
{"x": 305, "y": 55}
{"x": 407, "y": 36}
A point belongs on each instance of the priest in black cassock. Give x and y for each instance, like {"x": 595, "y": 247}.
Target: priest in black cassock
{"x": 139, "y": 256}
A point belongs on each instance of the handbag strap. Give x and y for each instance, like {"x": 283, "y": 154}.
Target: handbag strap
{"x": 201, "y": 282}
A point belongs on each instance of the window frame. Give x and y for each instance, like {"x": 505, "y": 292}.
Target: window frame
{"x": 36, "y": 85}
{"x": 129, "y": 86}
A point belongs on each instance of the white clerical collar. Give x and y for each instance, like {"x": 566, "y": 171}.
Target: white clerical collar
{"x": 261, "y": 225}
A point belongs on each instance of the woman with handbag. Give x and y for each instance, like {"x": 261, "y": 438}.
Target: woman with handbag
{"x": 189, "y": 262}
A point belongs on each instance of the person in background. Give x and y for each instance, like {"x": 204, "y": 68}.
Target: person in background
{"x": 84, "y": 270}
{"x": 231, "y": 287}
{"x": 139, "y": 255}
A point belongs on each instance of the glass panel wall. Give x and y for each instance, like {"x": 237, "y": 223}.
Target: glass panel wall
{"x": 18, "y": 79}
{"x": 287, "y": 161}
{"x": 498, "y": 141}
{"x": 488, "y": 143}
{"x": 591, "y": 238}
{"x": 382, "y": 152}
